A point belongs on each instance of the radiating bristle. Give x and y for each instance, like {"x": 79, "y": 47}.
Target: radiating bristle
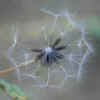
{"x": 56, "y": 42}
{"x": 60, "y": 48}
{"x": 36, "y": 50}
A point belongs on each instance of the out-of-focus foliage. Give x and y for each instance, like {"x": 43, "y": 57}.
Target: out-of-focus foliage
{"x": 14, "y": 92}
{"x": 92, "y": 25}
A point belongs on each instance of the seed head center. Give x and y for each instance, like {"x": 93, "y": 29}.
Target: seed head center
{"x": 48, "y": 50}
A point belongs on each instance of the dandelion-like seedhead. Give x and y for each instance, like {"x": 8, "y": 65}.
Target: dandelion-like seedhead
{"x": 75, "y": 55}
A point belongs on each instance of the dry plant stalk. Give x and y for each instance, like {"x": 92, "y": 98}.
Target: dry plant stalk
{"x": 18, "y": 66}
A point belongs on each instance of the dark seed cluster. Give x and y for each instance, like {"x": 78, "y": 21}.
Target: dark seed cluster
{"x": 50, "y": 54}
